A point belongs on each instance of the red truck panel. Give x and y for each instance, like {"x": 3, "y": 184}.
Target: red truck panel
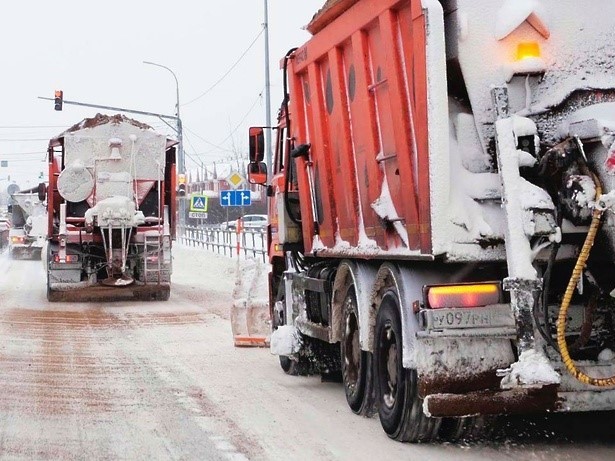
{"x": 360, "y": 99}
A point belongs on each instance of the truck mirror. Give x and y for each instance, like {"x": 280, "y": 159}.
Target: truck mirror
{"x": 42, "y": 191}
{"x": 257, "y": 173}
{"x": 257, "y": 144}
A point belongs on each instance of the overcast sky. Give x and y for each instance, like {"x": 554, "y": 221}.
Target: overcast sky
{"x": 94, "y": 52}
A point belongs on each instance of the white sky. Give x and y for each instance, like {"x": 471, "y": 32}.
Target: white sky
{"x": 93, "y": 51}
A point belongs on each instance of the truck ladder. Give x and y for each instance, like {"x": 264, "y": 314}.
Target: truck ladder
{"x": 152, "y": 245}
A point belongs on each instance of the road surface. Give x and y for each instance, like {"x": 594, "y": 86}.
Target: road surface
{"x": 162, "y": 380}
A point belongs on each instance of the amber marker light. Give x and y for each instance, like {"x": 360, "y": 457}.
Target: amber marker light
{"x": 467, "y": 295}
{"x": 526, "y": 50}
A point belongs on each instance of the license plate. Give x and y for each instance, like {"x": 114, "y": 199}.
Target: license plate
{"x": 483, "y": 317}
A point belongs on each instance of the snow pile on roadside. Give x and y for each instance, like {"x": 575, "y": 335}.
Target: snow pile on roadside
{"x": 250, "y": 309}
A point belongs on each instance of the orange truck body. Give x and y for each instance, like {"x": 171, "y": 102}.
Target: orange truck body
{"x": 367, "y": 98}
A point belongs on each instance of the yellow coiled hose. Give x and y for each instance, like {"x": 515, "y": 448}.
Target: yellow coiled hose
{"x": 572, "y": 283}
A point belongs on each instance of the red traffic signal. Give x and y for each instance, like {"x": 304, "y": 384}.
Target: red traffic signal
{"x": 181, "y": 185}
{"x": 59, "y": 98}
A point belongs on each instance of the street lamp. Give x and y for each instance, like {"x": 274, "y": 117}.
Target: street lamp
{"x": 181, "y": 168}
{"x": 181, "y": 162}
{"x": 267, "y": 94}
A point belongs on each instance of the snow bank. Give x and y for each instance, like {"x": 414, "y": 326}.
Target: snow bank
{"x": 250, "y": 309}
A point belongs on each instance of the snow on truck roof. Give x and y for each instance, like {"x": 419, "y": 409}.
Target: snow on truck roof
{"x": 99, "y": 120}
{"x": 328, "y": 13}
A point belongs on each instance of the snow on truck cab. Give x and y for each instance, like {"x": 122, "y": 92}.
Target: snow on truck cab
{"x": 111, "y": 211}
{"x": 441, "y": 212}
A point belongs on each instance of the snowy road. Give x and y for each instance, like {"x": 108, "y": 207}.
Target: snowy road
{"x": 163, "y": 381}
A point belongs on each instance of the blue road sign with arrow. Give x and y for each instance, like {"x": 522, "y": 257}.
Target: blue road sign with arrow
{"x": 235, "y": 198}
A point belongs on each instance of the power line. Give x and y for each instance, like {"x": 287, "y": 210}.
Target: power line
{"x": 19, "y": 140}
{"x": 228, "y": 71}
{"x": 260, "y": 95}
{"x": 217, "y": 146}
{"x": 9, "y": 127}
{"x": 24, "y": 160}
{"x": 206, "y": 141}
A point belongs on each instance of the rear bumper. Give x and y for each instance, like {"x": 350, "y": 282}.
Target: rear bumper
{"x": 518, "y": 401}
{"x": 25, "y": 250}
{"x": 83, "y": 292}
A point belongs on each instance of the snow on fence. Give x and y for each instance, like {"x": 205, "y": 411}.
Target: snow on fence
{"x": 249, "y": 243}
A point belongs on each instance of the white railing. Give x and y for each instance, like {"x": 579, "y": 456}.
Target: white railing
{"x": 249, "y": 243}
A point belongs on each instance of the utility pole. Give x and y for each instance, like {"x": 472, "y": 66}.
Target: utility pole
{"x": 181, "y": 167}
{"x": 267, "y": 96}
{"x": 181, "y": 162}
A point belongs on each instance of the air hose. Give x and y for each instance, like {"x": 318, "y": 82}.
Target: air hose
{"x": 572, "y": 283}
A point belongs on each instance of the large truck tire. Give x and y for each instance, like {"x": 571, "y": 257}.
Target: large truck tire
{"x": 399, "y": 406}
{"x": 300, "y": 367}
{"x": 470, "y": 428}
{"x": 356, "y": 363}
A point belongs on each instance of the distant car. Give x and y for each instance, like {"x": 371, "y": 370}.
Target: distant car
{"x": 254, "y": 221}
{"x": 229, "y": 225}
{"x": 249, "y": 221}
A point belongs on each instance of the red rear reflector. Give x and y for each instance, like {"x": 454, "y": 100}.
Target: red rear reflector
{"x": 470, "y": 295}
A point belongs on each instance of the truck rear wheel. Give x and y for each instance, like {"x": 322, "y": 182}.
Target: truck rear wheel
{"x": 399, "y": 406}
{"x": 468, "y": 428}
{"x": 356, "y": 363}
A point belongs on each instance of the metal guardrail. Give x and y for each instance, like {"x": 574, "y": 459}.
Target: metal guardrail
{"x": 249, "y": 243}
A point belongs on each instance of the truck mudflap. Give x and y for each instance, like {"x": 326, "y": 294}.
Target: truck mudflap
{"x": 98, "y": 293}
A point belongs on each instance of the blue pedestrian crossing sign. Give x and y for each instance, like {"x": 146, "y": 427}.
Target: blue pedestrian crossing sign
{"x": 235, "y": 198}
{"x": 198, "y": 203}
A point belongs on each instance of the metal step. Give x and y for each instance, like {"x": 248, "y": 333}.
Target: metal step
{"x": 152, "y": 244}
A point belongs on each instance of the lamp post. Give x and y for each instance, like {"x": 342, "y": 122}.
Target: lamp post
{"x": 180, "y": 148}
{"x": 181, "y": 167}
{"x": 267, "y": 95}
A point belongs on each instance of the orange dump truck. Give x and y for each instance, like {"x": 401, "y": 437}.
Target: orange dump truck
{"x": 441, "y": 209}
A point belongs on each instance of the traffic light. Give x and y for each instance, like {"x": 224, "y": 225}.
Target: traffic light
{"x": 59, "y": 97}
{"x": 181, "y": 185}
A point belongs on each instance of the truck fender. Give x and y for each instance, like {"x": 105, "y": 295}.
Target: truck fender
{"x": 362, "y": 275}
{"x": 407, "y": 288}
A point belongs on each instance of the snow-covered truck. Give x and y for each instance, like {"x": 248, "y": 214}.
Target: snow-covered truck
{"x": 441, "y": 209}
{"x": 111, "y": 204}
{"x": 28, "y": 232}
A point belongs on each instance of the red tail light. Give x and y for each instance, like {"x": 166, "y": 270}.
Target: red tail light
{"x": 18, "y": 239}
{"x": 465, "y": 295}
